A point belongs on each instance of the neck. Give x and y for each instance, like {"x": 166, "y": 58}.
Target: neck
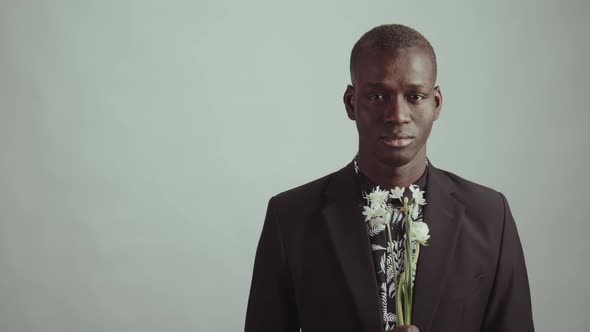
{"x": 388, "y": 176}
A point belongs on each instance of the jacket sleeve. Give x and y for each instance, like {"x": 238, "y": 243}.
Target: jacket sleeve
{"x": 509, "y": 306}
{"x": 271, "y": 304}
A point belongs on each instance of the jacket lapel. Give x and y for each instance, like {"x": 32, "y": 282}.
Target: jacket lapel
{"x": 348, "y": 232}
{"x": 443, "y": 214}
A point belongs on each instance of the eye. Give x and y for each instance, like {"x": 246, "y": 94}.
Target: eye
{"x": 415, "y": 98}
{"x": 377, "y": 97}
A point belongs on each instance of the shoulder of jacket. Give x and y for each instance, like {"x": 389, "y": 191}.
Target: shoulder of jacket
{"x": 470, "y": 192}
{"x": 302, "y": 195}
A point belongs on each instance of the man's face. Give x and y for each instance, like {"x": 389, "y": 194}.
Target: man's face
{"x": 394, "y": 103}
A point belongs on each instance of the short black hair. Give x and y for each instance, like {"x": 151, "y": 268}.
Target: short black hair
{"x": 390, "y": 36}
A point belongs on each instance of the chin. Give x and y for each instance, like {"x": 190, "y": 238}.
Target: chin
{"x": 395, "y": 159}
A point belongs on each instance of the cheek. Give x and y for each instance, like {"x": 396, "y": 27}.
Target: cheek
{"x": 363, "y": 115}
{"x": 424, "y": 117}
{"x": 367, "y": 128}
{"x": 424, "y": 127}
{"x": 362, "y": 125}
{"x": 370, "y": 114}
{"x": 368, "y": 121}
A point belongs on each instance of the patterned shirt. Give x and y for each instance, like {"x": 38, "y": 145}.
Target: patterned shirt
{"x": 382, "y": 259}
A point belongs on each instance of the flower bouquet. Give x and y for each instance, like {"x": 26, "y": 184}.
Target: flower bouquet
{"x": 380, "y": 213}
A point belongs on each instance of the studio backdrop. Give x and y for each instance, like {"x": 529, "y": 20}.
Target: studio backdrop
{"x": 140, "y": 142}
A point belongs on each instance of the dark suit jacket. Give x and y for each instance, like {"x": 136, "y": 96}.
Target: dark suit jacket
{"x": 313, "y": 268}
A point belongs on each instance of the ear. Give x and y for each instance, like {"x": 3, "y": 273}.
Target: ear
{"x": 438, "y": 99}
{"x": 348, "y": 99}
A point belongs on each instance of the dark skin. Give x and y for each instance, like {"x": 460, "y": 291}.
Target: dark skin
{"x": 394, "y": 101}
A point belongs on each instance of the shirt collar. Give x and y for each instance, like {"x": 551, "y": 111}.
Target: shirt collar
{"x": 367, "y": 185}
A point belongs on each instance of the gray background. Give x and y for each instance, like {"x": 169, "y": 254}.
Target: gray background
{"x": 140, "y": 142}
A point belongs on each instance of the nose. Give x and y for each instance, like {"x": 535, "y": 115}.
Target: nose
{"x": 398, "y": 111}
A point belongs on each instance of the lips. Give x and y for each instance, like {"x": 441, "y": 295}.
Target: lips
{"x": 397, "y": 141}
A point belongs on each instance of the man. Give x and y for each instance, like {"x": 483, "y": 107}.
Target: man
{"x": 317, "y": 265}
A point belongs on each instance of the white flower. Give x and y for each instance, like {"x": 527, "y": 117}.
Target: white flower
{"x": 415, "y": 210}
{"x": 377, "y": 221}
{"x": 397, "y": 192}
{"x": 378, "y": 197}
{"x": 419, "y": 232}
{"x": 375, "y": 211}
{"x": 417, "y": 194}
{"x": 368, "y": 213}
{"x": 419, "y": 199}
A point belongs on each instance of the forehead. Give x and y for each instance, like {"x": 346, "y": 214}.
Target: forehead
{"x": 411, "y": 65}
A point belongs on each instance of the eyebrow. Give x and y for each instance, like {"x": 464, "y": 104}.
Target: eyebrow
{"x": 381, "y": 85}
{"x": 417, "y": 85}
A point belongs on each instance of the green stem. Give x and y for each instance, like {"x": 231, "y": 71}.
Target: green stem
{"x": 411, "y": 298}
{"x": 407, "y": 306}
{"x": 408, "y": 267}
{"x": 398, "y": 301}
{"x": 414, "y": 263}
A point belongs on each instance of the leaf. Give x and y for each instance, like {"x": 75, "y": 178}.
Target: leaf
{"x": 376, "y": 230}
{"x": 383, "y": 294}
{"x": 390, "y": 317}
{"x": 391, "y": 290}
{"x": 377, "y": 247}
{"x": 382, "y": 264}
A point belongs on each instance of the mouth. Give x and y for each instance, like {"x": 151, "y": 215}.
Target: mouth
{"x": 397, "y": 141}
